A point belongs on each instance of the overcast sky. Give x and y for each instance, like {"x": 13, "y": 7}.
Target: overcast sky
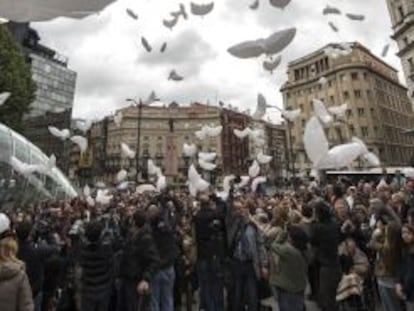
{"x": 105, "y": 49}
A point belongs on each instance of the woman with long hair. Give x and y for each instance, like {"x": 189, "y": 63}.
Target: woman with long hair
{"x": 15, "y": 292}
{"x": 386, "y": 241}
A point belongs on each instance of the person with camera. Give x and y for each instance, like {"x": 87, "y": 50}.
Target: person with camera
{"x": 210, "y": 240}
{"x": 139, "y": 263}
{"x": 161, "y": 219}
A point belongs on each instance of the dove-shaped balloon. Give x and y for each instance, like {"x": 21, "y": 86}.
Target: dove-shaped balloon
{"x": 146, "y": 45}
{"x": 262, "y": 158}
{"x": 152, "y": 98}
{"x": 62, "y": 134}
{"x": 331, "y": 10}
{"x": 314, "y": 140}
{"x": 4, "y": 97}
{"x": 254, "y": 169}
{"x": 269, "y": 46}
{"x": 256, "y": 182}
{"x": 81, "y": 141}
{"x": 208, "y": 131}
{"x": 244, "y": 181}
{"x": 103, "y": 198}
{"x": 127, "y": 152}
{"x": 227, "y": 182}
{"x": 48, "y": 167}
{"x": 153, "y": 169}
{"x": 181, "y": 12}
{"x": 86, "y": 191}
{"x": 372, "y": 159}
{"x": 323, "y": 81}
{"x": 201, "y": 9}
{"x": 145, "y": 188}
{"x": 280, "y": 4}
{"x": 132, "y": 14}
{"x": 84, "y": 126}
{"x": 261, "y": 107}
{"x": 355, "y": 17}
{"x": 118, "y": 119}
{"x": 21, "y": 167}
{"x": 170, "y": 24}
{"x": 189, "y": 150}
{"x": 272, "y": 65}
{"x": 207, "y": 156}
{"x": 207, "y": 166}
{"x": 291, "y": 115}
{"x": 338, "y": 111}
{"x": 255, "y": 5}
{"x": 242, "y": 134}
{"x": 174, "y": 76}
{"x": 385, "y": 50}
{"x": 90, "y": 201}
{"x": 121, "y": 176}
{"x": 163, "y": 47}
{"x": 195, "y": 182}
{"x": 123, "y": 186}
{"x": 161, "y": 183}
{"x": 333, "y": 26}
{"x": 321, "y": 112}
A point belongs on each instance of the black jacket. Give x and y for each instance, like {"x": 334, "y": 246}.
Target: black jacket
{"x": 140, "y": 259}
{"x": 35, "y": 257}
{"x": 166, "y": 242}
{"x": 325, "y": 238}
{"x": 210, "y": 232}
{"x": 406, "y": 277}
{"x": 97, "y": 263}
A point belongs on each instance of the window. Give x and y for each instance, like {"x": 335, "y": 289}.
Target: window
{"x": 357, "y": 93}
{"x": 354, "y": 76}
{"x": 369, "y": 94}
{"x": 349, "y": 113}
{"x": 352, "y": 130}
{"x": 365, "y": 76}
{"x": 303, "y": 122}
{"x": 364, "y": 131}
{"x": 332, "y": 98}
{"x": 346, "y": 95}
{"x": 361, "y": 112}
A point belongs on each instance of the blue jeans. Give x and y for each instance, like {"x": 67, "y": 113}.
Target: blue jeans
{"x": 210, "y": 277}
{"x": 389, "y": 299}
{"x": 162, "y": 290}
{"x": 289, "y": 301}
{"x": 244, "y": 288}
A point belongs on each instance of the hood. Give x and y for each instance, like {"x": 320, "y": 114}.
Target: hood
{"x": 10, "y": 269}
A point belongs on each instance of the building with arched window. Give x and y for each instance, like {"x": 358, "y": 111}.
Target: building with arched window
{"x": 20, "y": 189}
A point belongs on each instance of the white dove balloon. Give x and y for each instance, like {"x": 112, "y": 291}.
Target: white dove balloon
{"x": 242, "y": 134}
{"x": 341, "y": 156}
{"x": 44, "y": 10}
{"x": 81, "y": 141}
{"x": 62, "y": 134}
{"x": 207, "y": 166}
{"x": 372, "y": 159}
{"x": 314, "y": 140}
{"x": 321, "y": 112}
{"x": 355, "y": 17}
{"x": 339, "y": 111}
{"x": 272, "y": 65}
{"x": 263, "y": 159}
{"x": 86, "y": 191}
{"x": 121, "y": 176}
{"x": 323, "y": 82}
{"x": 152, "y": 98}
{"x": 408, "y": 172}
{"x": 103, "y": 198}
{"x": 254, "y": 169}
{"x": 84, "y": 126}
{"x": 227, "y": 182}
{"x": 48, "y": 167}
{"x": 256, "y": 182}
{"x": 153, "y": 169}
{"x": 333, "y": 26}
{"x": 331, "y": 10}
{"x": 385, "y": 50}
{"x": 132, "y": 14}
{"x": 291, "y": 115}
{"x": 214, "y": 131}
{"x": 90, "y": 201}
{"x": 161, "y": 183}
{"x": 170, "y": 24}
{"x": 126, "y": 151}
{"x": 4, "y": 223}
{"x": 4, "y": 97}
{"x": 146, "y": 45}
{"x": 174, "y": 76}
{"x": 207, "y": 156}
{"x": 244, "y": 181}
{"x": 21, "y": 167}
{"x": 261, "y": 107}
{"x": 195, "y": 182}
{"x": 280, "y": 4}
{"x": 163, "y": 47}
{"x": 255, "y": 5}
{"x": 181, "y": 12}
{"x": 118, "y": 119}
{"x": 189, "y": 150}
{"x": 145, "y": 188}
{"x": 201, "y": 9}
{"x": 269, "y": 46}
{"x": 123, "y": 186}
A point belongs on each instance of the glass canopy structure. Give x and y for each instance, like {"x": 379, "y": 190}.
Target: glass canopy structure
{"x": 19, "y": 189}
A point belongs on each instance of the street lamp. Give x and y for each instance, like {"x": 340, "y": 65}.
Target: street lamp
{"x": 139, "y": 105}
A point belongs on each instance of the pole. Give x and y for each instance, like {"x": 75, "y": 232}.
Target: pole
{"x": 291, "y": 148}
{"x": 138, "y": 139}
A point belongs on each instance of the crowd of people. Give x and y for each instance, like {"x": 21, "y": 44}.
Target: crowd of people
{"x": 343, "y": 245}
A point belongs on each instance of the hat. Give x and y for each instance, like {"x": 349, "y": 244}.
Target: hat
{"x": 4, "y": 225}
